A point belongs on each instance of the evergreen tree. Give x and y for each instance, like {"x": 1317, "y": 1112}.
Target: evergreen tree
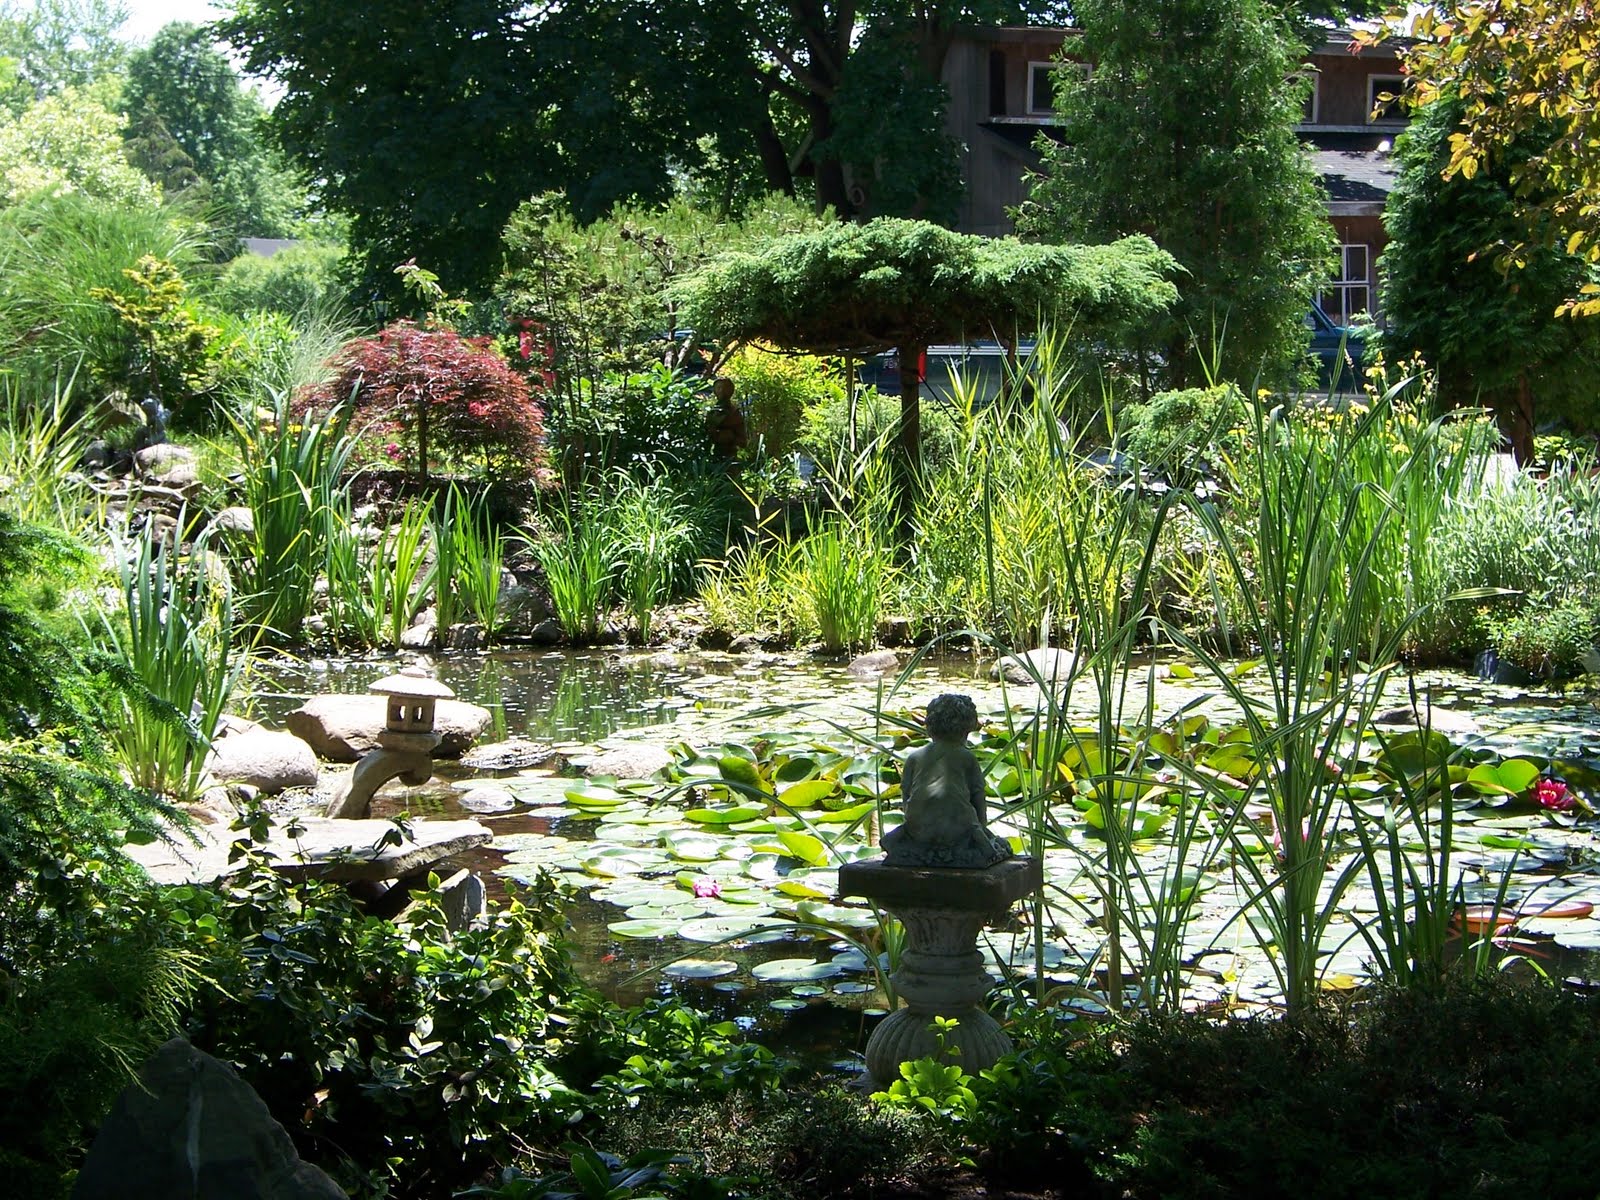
{"x": 183, "y": 84}
{"x": 1183, "y": 129}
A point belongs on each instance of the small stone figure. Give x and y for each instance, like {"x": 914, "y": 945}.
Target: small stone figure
{"x": 725, "y": 423}
{"x": 154, "y": 430}
{"x": 946, "y": 822}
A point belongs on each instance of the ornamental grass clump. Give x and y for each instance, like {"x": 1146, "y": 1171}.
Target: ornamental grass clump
{"x": 291, "y": 486}
{"x": 174, "y": 634}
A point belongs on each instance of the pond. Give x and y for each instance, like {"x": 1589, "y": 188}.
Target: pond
{"x": 674, "y": 898}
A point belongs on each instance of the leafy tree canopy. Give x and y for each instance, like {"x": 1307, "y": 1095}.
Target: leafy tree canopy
{"x": 1184, "y": 131}
{"x": 182, "y": 84}
{"x": 909, "y": 284}
{"x": 1520, "y": 68}
{"x": 894, "y": 282}
{"x": 49, "y": 45}
{"x": 429, "y": 123}
{"x": 1493, "y": 337}
{"x": 69, "y": 142}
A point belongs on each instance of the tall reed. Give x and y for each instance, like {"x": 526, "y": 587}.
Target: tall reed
{"x": 376, "y": 590}
{"x": 654, "y": 535}
{"x": 579, "y": 567}
{"x": 1303, "y": 562}
{"x": 469, "y": 559}
{"x": 42, "y": 441}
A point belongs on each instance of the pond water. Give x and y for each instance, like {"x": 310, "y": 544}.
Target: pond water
{"x": 706, "y": 911}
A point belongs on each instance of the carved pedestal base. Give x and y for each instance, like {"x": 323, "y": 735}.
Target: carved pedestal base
{"x": 404, "y": 756}
{"x": 941, "y": 972}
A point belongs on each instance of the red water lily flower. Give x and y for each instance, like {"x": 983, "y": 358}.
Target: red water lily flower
{"x": 707, "y": 889}
{"x": 1553, "y": 794}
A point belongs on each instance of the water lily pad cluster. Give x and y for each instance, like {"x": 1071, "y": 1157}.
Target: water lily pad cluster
{"x": 730, "y": 857}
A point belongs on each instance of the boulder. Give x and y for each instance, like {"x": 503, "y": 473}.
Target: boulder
{"x": 321, "y": 848}
{"x": 874, "y": 662}
{"x": 344, "y": 727}
{"x": 510, "y": 755}
{"x": 424, "y": 631}
{"x": 192, "y": 1127}
{"x": 173, "y": 466}
{"x": 547, "y": 632}
{"x": 466, "y": 636}
{"x": 236, "y": 519}
{"x": 639, "y": 761}
{"x": 262, "y": 758}
{"x": 346, "y": 851}
{"x": 1050, "y": 666}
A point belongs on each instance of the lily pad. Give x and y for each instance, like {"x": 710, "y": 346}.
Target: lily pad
{"x": 721, "y": 929}
{"x": 643, "y": 927}
{"x": 699, "y": 968}
{"x": 795, "y": 970}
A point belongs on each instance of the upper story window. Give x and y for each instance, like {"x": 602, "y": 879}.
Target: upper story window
{"x": 1042, "y": 85}
{"x": 1382, "y": 110}
{"x": 1311, "y": 107}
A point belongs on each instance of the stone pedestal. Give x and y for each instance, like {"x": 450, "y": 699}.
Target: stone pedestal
{"x": 941, "y": 971}
{"x": 404, "y": 756}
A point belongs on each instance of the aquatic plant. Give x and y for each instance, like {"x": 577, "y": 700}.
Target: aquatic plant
{"x": 579, "y": 565}
{"x": 174, "y": 634}
{"x": 292, "y": 472}
{"x": 469, "y": 561}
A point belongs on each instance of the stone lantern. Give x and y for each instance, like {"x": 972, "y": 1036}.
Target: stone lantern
{"x": 405, "y": 744}
{"x": 413, "y": 695}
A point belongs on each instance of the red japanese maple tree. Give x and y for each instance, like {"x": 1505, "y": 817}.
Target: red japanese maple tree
{"x": 434, "y": 385}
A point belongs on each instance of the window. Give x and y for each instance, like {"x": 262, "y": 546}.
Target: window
{"x": 1311, "y": 106}
{"x": 1350, "y": 291}
{"x": 1042, "y": 85}
{"x": 1381, "y": 111}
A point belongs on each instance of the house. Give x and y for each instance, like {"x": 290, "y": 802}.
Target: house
{"x": 1001, "y": 99}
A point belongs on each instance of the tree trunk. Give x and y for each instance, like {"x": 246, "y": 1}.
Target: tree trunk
{"x": 910, "y": 457}
{"x": 774, "y": 159}
{"x": 1517, "y": 425}
{"x": 422, "y": 437}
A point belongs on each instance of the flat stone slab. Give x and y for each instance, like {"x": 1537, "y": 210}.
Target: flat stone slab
{"x": 339, "y": 850}
{"x": 963, "y": 888}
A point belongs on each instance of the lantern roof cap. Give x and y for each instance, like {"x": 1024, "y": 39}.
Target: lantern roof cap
{"x": 413, "y": 682}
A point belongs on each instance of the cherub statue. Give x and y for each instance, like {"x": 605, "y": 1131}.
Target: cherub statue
{"x": 946, "y": 821}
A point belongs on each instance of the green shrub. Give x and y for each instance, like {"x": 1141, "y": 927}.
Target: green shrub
{"x": 297, "y": 280}
{"x": 405, "y": 1059}
{"x": 58, "y": 249}
{"x": 812, "y": 1141}
{"x": 1181, "y": 433}
{"x": 829, "y": 425}
{"x": 649, "y": 420}
{"x": 1469, "y": 1090}
{"x": 89, "y": 979}
{"x": 1546, "y": 640}
{"x": 775, "y": 390}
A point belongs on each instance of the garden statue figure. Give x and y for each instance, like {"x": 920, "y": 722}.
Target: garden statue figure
{"x": 725, "y": 423}
{"x": 946, "y": 815}
{"x": 154, "y": 430}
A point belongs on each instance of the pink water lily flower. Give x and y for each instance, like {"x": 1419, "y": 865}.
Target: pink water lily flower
{"x": 1553, "y": 794}
{"x": 707, "y": 889}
